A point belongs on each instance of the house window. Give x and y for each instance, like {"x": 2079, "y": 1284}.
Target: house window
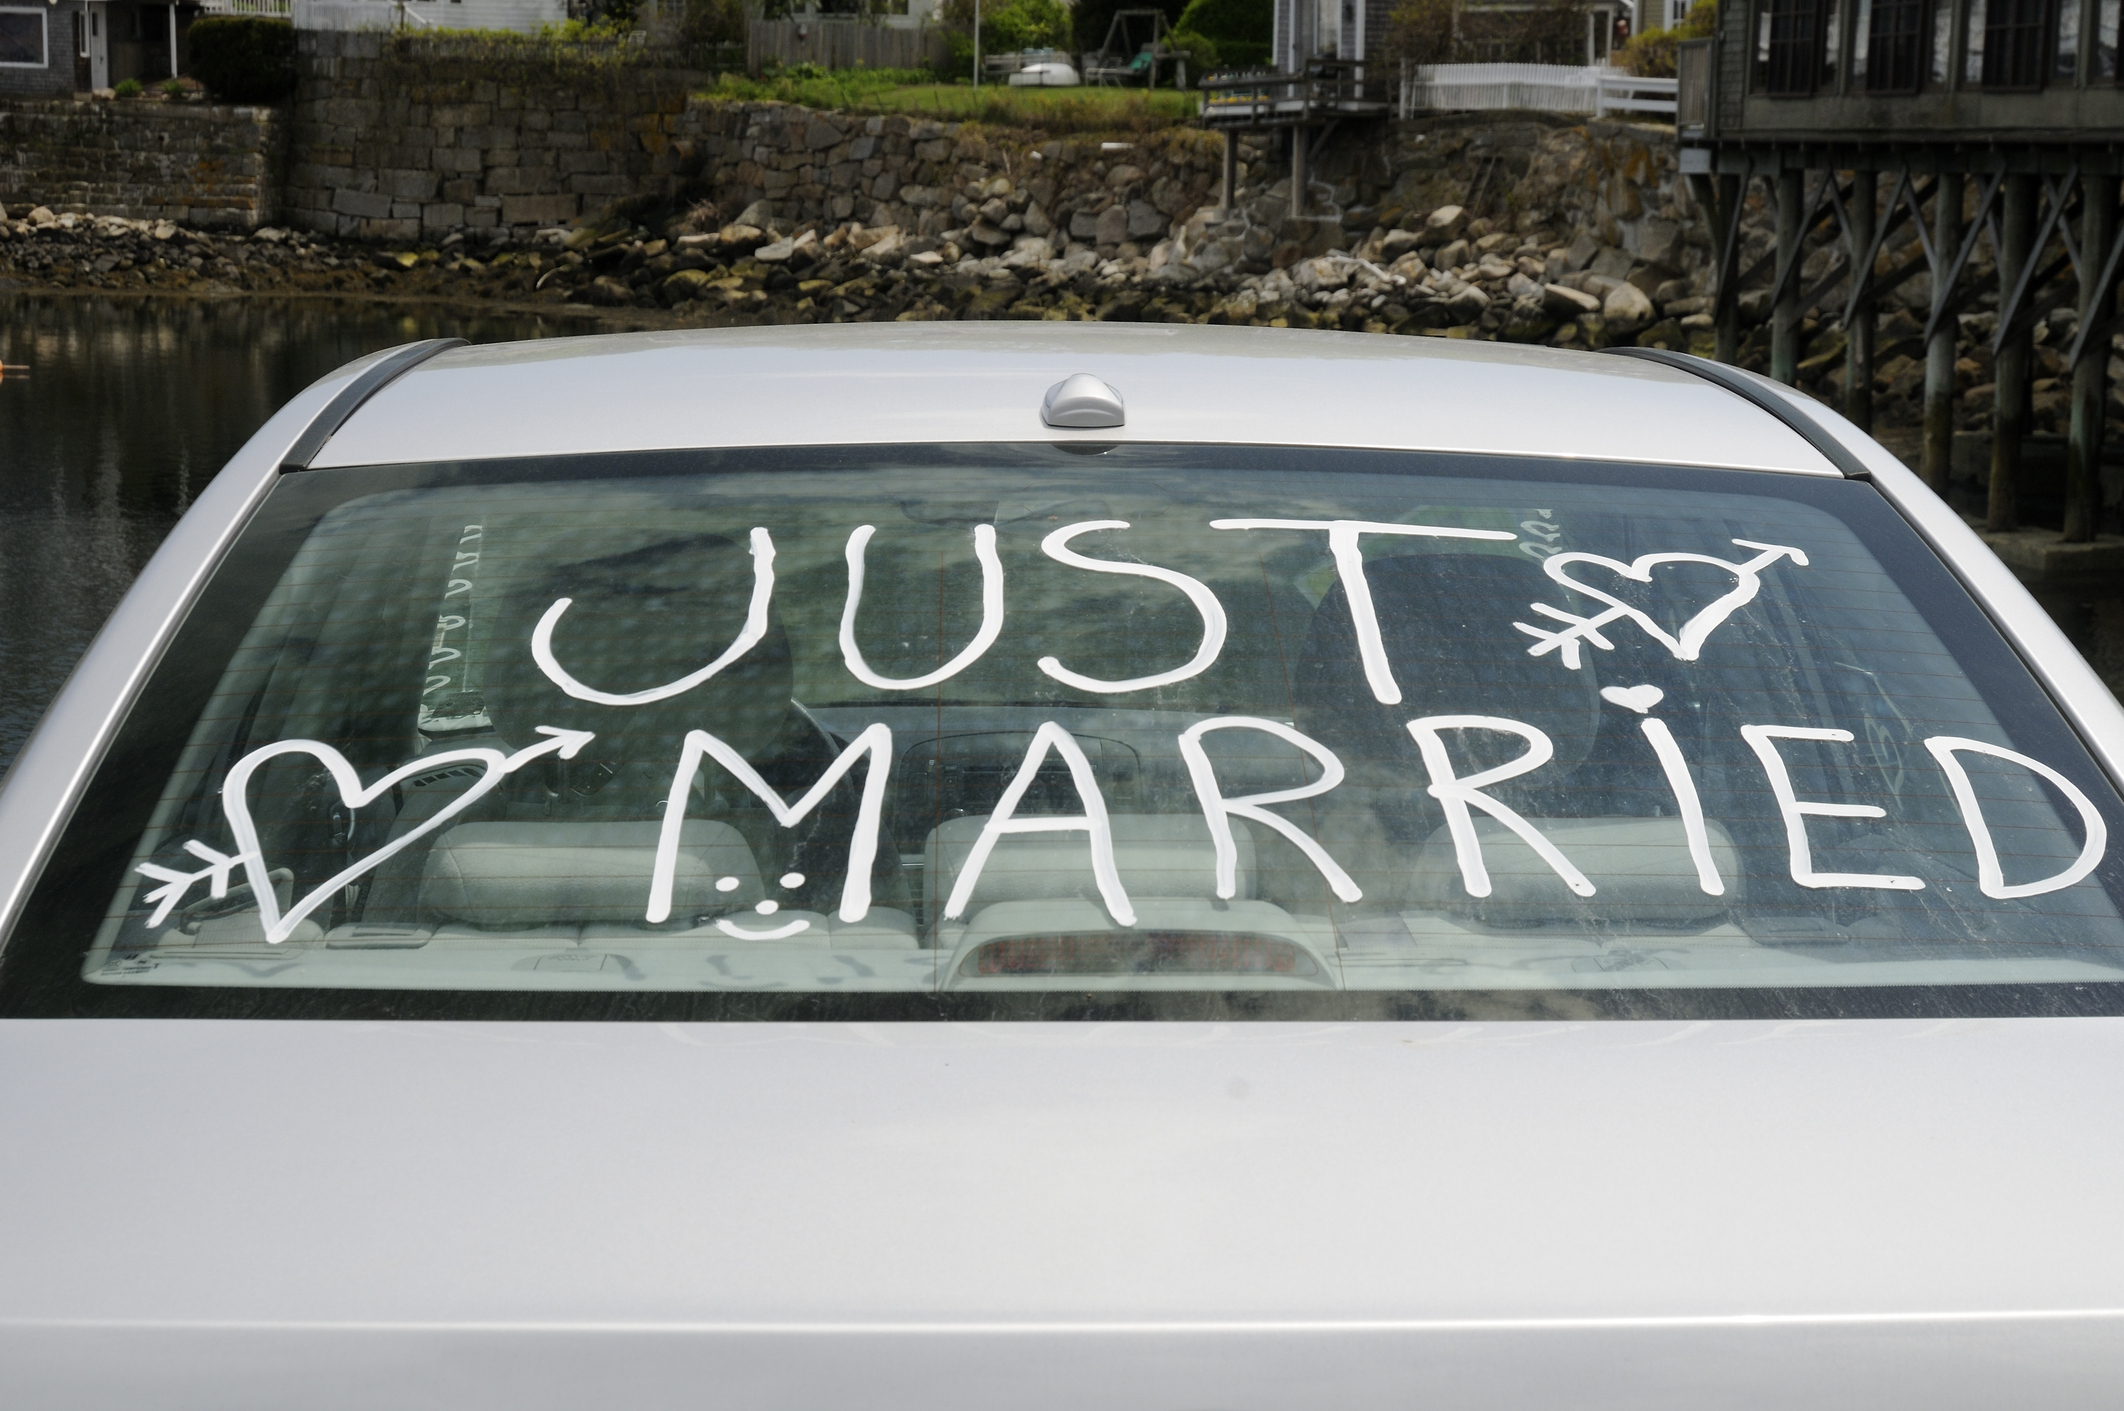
{"x": 1795, "y": 57}
{"x": 2068, "y": 45}
{"x": 2105, "y": 51}
{"x": 1895, "y": 46}
{"x": 22, "y": 39}
{"x": 2015, "y": 40}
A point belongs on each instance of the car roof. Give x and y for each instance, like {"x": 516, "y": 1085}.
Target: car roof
{"x": 860, "y": 384}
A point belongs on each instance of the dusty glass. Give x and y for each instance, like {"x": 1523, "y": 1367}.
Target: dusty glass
{"x": 1009, "y": 720}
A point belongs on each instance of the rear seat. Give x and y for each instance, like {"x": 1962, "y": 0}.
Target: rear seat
{"x": 588, "y": 884}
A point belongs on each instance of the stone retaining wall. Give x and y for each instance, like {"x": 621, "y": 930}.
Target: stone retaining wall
{"x": 392, "y": 147}
{"x": 202, "y": 165}
{"x": 407, "y": 144}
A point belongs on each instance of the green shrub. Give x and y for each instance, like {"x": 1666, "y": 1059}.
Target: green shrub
{"x": 713, "y": 22}
{"x": 173, "y": 88}
{"x": 127, "y": 88}
{"x": 242, "y": 58}
{"x": 1651, "y": 53}
{"x": 1202, "y": 52}
{"x": 1241, "y": 32}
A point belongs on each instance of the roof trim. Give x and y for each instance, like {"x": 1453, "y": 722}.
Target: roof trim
{"x": 1809, "y": 430}
{"x": 377, "y": 376}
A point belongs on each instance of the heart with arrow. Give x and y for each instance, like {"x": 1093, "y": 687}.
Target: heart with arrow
{"x": 250, "y": 856}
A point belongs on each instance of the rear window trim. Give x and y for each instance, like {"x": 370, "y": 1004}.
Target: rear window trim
{"x": 297, "y": 503}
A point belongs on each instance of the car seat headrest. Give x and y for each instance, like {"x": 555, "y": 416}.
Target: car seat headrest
{"x": 497, "y": 875}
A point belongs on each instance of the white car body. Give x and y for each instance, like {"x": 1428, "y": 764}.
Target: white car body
{"x": 1863, "y": 1213}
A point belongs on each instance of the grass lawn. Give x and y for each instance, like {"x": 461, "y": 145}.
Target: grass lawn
{"x": 1056, "y": 110}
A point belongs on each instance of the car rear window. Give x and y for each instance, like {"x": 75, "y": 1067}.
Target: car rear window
{"x": 1048, "y": 732}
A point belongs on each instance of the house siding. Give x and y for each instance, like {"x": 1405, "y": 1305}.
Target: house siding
{"x": 56, "y": 78}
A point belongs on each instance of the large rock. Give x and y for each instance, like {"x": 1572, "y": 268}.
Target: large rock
{"x": 1566, "y": 302}
{"x": 737, "y": 238}
{"x": 686, "y": 284}
{"x": 889, "y": 250}
{"x": 1468, "y": 304}
{"x": 1627, "y": 308}
{"x": 608, "y": 292}
{"x": 1113, "y": 225}
{"x": 1443, "y": 226}
{"x": 1397, "y": 244}
{"x": 1323, "y": 273}
{"x": 1528, "y": 321}
{"x": 1660, "y": 243}
{"x": 759, "y": 213}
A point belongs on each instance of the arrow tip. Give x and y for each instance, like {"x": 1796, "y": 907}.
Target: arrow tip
{"x": 572, "y": 741}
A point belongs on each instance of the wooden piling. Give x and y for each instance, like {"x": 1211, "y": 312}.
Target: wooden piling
{"x": 1858, "y": 335}
{"x": 2009, "y": 416}
{"x": 1785, "y": 317}
{"x": 1732, "y": 190}
{"x": 2090, "y": 375}
{"x": 1938, "y": 461}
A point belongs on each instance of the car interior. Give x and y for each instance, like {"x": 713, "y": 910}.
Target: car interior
{"x": 501, "y": 857}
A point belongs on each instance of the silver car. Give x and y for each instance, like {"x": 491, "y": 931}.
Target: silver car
{"x": 1059, "y": 866}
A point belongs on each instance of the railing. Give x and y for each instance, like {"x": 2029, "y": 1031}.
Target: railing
{"x": 269, "y": 9}
{"x": 1265, "y": 95}
{"x": 1627, "y": 93}
{"x": 521, "y": 16}
{"x": 1594, "y": 91}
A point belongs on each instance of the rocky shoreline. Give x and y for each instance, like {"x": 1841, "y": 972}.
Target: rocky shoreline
{"x": 996, "y": 253}
{"x": 1444, "y": 274}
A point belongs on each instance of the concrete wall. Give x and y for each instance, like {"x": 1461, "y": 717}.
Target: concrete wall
{"x": 206, "y": 165}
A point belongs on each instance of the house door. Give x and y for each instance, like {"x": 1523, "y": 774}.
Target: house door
{"x": 99, "y": 45}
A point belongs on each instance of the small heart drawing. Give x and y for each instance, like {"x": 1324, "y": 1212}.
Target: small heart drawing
{"x": 1637, "y": 698}
{"x": 1747, "y": 576}
{"x": 235, "y": 803}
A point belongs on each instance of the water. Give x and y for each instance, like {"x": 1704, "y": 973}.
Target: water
{"x": 129, "y": 409}
{"x": 131, "y": 406}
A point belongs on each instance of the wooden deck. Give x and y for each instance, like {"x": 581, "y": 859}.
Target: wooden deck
{"x": 1324, "y": 92}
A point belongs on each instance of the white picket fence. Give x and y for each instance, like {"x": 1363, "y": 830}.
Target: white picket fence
{"x": 418, "y": 16}
{"x": 1594, "y": 91}
{"x": 270, "y": 9}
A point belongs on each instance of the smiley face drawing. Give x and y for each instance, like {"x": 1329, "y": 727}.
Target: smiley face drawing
{"x": 766, "y": 908}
